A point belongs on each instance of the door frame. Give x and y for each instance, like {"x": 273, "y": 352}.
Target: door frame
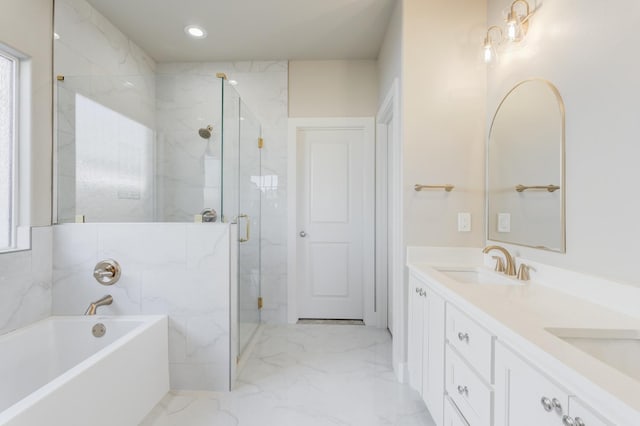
{"x": 390, "y": 111}
{"x": 367, "y": 125}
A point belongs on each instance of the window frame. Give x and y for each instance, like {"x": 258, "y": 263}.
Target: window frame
{"x": 14, "y": 149}
{"x": 20, "y": 230}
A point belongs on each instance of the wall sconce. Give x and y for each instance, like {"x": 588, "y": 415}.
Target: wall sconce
{"x": 517, "y": 26}
{"x": 518, "y": 23}
{"x": 490, "y": 54}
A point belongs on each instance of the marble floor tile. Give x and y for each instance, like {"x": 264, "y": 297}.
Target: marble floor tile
{"x": 305, "y": 375}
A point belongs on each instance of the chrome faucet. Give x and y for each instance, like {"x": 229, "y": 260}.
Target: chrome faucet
{"x": 510, "y": 265}
{"x": 93, "y": 307}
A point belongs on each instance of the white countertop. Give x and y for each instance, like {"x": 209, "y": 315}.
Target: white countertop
{"x": 519, "y": 316}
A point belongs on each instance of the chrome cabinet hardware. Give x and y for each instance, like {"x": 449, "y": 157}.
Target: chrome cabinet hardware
{"x": 107, "y": 272}
{"x": 463, "y": 390}
{"x": 463, "y": 336}
{"x": 417, "y": 290}
{"x": 579, "y": 422}
{"x": 568, "y": 421}
{"x": 557, "y": 405}
{"x": 546, "y": 403}
{"x": 499, "y": 264}
{"x": 303, "y": 234}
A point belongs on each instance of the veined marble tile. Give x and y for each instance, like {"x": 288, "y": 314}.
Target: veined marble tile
{"x": 25, "y": 283}
{"x": 305, "y": 375}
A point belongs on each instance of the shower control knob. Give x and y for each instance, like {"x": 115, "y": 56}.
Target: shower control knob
{"x": 303, "y": 234}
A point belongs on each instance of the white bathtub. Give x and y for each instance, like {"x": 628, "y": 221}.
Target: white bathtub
{"x": 55, "y": 372}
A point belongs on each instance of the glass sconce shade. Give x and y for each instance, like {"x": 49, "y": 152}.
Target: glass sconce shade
{"x": 489, "y": 52}
{"x": 517, "y": 23}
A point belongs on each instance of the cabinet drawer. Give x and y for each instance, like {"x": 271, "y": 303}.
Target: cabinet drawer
{"x": 452, "y": 416}
{"x": 472, "y": 341}
{"x": 583, "y": 415}
{"x": 469, "y": 393}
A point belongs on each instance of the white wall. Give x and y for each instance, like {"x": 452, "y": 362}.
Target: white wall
{"x": 587, "y": 49}
{"x": 443, "y": 112}
{"x": 340, "y": 88}
{"x": 390, "y": 56}
{"x": 26, "y": 25}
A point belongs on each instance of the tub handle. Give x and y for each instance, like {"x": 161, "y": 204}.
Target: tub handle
{"x": 107, "y": 272}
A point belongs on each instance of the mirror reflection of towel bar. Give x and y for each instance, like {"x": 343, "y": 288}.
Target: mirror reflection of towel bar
{"x": 550, "y": 188}
{"x": 447, "y": 188}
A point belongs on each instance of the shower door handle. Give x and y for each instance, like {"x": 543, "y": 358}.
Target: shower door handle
{"x": 247, "y": 229}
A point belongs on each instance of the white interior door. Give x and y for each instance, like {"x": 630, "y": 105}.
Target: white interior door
{"x": 331, "y": 215}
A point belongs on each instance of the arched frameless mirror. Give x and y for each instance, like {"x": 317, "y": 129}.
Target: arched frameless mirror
{"x": 526, "y": 184}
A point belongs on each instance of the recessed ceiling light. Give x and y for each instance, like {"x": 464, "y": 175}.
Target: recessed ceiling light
{"x": 195, "y": 31}
{"x": 233, "y": 82}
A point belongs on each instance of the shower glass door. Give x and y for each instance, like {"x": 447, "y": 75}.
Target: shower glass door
{"x": 241, "y": 198}
{"x": 249, "y": 197}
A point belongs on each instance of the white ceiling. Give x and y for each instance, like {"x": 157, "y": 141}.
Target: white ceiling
{"x": 253, "y": 29}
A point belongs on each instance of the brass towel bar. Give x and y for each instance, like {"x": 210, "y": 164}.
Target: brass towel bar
{"x": 550, "y": 188}
{"x": 447, "y": 188}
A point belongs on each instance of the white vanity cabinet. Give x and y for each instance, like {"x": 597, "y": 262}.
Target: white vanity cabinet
{"x": 416, "y": 331}
{"x": 426, "y": 344}
{"x": 524, "y": 395}
{"x": 581, "y": 415}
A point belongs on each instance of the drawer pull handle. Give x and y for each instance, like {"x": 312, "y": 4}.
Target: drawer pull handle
{"x": 463, "y": 336}
{"x": 579, "y": 422}
{"x": 417, "y": 290}
{"x": 546, "y": 403}
{"x": 568, "y": 421}
{"x": 557, "y": 405}
{"x": 463, "y": 390}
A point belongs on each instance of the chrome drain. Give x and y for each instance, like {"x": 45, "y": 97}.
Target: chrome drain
{"x": 99, "y": 330}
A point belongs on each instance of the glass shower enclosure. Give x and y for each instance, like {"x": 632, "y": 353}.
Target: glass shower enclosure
{"x": 163, "y": 147}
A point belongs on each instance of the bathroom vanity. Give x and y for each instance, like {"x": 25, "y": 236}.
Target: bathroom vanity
{"x": 487, "y": 349}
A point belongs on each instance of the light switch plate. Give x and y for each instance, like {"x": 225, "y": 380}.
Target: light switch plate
{"x": 464, "y": 222}
{"x": 504, "y": 222}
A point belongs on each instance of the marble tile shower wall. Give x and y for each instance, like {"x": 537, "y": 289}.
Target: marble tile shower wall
{"x": 263, "y": 87}
{"x": 25, "y": 283}
{"x": 98, "y": 61}
{"x": 178, "y": 269}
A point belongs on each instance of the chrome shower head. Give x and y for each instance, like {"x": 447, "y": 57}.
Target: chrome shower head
{"x": 205, "y": 133}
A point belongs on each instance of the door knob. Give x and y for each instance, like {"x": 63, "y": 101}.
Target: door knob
{"x": 303, "y": 234}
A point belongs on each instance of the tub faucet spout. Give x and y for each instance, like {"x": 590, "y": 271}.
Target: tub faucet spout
{"x": 93, "y": 307}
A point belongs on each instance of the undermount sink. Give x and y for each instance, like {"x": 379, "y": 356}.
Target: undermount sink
{"x": 477, "y": 275}
{"x": 619, "y": 349}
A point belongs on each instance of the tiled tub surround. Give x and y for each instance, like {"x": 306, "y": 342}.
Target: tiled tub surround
{"x": 82, "y": 374}
{"x": 25, "y": 282}
{"x": 177, "y": 269}
{"x": 519, "y": 316}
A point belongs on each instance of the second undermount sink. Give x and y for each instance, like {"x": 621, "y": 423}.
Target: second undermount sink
{"x": 619, "y": 349}
{"x": 477, "y": 275}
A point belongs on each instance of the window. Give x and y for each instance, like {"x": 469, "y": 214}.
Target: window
{"x": 8, "y": 149}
